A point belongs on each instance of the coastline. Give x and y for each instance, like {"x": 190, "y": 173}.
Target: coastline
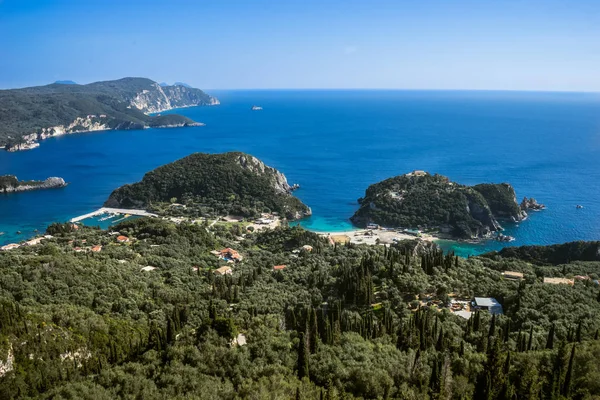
{"x": 33, "y": 143}
{"x": 375, "y": 236}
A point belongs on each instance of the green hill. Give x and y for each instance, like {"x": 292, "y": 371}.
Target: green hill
{"x": 32, "y": 114}
{"x": 348, "y": 322}
{"x": 235, "y": 183}
{"x": 433, "y": 201}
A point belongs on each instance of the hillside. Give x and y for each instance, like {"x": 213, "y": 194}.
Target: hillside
{"x": 228, "y": 183}
{"x": 84, "y": 316}
{"x": 433, "y": 201}
{"x": 553, "y": 255}
{"x": 32, "y": 114}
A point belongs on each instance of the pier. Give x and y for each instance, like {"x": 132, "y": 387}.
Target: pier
{"x": 107, "y": 210}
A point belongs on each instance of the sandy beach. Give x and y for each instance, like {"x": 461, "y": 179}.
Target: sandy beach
{"x": 374, "y": 236}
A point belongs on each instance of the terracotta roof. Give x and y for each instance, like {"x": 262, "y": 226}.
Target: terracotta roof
{"x": 122, "y": 238}
{"x": 97, "y": 248}
{"x": 559, "y": 281}
{"x": 279, "y": 267}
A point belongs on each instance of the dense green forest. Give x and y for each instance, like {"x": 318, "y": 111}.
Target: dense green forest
{"x": 338, "y": 322}
{"x": 30, "y": 110}
{"x": 434, "y": 202}
{"x": 217, "y": 184}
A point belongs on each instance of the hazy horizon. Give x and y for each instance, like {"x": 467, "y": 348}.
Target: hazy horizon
{"x": 548, "y": 46}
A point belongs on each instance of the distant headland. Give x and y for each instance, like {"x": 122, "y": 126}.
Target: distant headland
{"x": 11, "y": 184}
{"x": 32, "y": 114}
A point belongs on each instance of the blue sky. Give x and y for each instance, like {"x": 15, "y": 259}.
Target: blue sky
{"x": 229, "y": 44}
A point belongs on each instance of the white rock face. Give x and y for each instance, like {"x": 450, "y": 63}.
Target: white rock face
{"x": 7, "y": 365}
{"x": 167, "y": 98}
{"x": 81, "y": 124}
{"x": 256, "y": 166}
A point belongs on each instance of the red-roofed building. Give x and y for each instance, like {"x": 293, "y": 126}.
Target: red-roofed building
{"x": 122, "y": 239}
{"x": 230, "y": 254}
{"x": 279, "y": 267}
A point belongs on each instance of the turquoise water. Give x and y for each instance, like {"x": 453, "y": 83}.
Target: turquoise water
{"x": 336, "y": 143}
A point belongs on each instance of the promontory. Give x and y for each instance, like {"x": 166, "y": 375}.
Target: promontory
{"x": 11, "y": 184}
{"x": 32, "y": 114}
{"x": 425, "y": 201}
{"x": 220, "y": 184}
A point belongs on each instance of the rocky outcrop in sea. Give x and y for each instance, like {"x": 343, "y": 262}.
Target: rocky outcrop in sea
{"x": 531, "y": 204}
{"x": 11, "y": 184}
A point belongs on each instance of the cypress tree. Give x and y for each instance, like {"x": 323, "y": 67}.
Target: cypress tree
{"x": 440, "y": 342}
{"x": 550, "y": 340}
{"x": 578, "y": 334}
{"x": 302, "y": 357}
{"x": 492, "y": 331}
{"x": 566, "y": 389}
{"x": 530, "y": 338}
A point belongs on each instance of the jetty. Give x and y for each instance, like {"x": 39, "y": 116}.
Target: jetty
{"x": 108, "y": 210}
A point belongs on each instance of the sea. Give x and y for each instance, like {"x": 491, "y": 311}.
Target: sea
{"x": 335, "y": 143}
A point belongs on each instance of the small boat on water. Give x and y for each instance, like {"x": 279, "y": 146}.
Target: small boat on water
{"x": 18, "y": 232}
{"x": 256, "y": 108}
{"x": 578, "y": 206}
{"x": 2, "y": 233}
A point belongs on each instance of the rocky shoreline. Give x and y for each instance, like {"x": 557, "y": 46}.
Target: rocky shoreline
{"x": 11, "y": 184}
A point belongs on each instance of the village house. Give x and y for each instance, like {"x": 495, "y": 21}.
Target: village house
{"x": 513, "y": 276}
{"x": 559, "y": 281}
{"x": 279, "y": 267}
{"x": 148, "y": 268}
{"x": 307, "y": 248}
{"x": 97, "y": 248}
{"x": 223, "y": 271}
{"x": 229, "y": 254}
{"x": 122, "y": 239}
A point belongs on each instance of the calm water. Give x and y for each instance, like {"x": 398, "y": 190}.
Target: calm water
{"x": 336, "y": 143}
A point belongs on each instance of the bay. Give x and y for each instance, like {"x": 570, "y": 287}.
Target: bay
{"x": 335, "y": 143}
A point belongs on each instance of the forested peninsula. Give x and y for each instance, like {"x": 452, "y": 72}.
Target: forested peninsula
{"x": 32, "y": 114}
{"x": 422, "y": 200}
{"x": 215, "y": 184}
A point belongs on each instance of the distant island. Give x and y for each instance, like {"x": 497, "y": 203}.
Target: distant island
{"x": 425, "y": 201}
{"x": 11, "y": 184}
{"x": 66, "y": 83}
{"x": 32, "y": 114}
{"x": 219, "y": 184}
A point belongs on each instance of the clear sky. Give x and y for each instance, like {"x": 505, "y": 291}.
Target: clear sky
{"x": 237, "y": 44}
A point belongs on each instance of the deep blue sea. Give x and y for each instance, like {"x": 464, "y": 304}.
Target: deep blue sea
{"x": 336, "y": 143}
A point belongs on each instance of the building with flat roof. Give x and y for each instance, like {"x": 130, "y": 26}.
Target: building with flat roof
{"x": 487, "y": 303}
{"x": 223, "y": 271}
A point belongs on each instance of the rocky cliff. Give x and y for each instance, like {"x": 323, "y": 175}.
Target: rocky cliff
{"x": 425, "y": 201}
{"x": 33, "y": 114}
{"x": 11, "y": 184}
{"x": 228, "y": 183}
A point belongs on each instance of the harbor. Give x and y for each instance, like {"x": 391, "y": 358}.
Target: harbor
{"x": 112, "y": 211}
